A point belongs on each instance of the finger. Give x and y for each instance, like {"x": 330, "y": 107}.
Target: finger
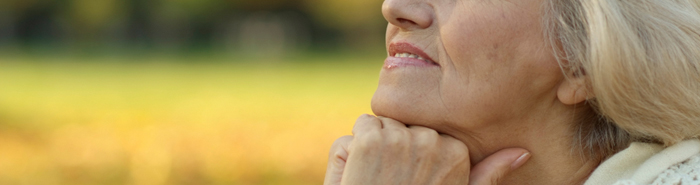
{"x": 422, "y": 129}
{"x": 366, "y": 123}
{"x": 491, "y": 170}
{"x": 424, "y": 134}
{"x": 389, "y": 123}
{"x": 337, "y": 158}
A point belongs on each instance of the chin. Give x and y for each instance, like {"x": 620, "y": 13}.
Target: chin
{"x": 404, "y": 107}
{"x": 410, "y": 95}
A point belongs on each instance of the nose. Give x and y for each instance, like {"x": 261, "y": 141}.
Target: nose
{"x": 408, "y": 14}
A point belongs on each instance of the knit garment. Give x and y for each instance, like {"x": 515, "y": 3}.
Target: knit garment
{"x": 684, "y": 173}
{"x": 647, "y": 163}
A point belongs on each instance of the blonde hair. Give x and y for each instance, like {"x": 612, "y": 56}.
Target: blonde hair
{"x": 641, "y": 61}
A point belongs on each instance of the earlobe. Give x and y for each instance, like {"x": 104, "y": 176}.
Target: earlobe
{"x": 573, "y": 90}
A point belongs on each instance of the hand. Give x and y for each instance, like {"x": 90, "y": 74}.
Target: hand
{"x": 385, "y": 151}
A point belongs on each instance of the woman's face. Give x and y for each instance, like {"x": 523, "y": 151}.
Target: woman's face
{"x": 475, "y": 63}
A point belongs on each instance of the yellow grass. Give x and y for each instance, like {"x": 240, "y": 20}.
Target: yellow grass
{"x": 152, "y": 121}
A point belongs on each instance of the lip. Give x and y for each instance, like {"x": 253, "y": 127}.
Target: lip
{"x": 403, "y": 47}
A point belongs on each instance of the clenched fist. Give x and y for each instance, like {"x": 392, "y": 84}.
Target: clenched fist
{"x": 385, "y": 151}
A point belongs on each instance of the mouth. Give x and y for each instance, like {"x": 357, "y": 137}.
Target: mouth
{"x": 403, "y": 54}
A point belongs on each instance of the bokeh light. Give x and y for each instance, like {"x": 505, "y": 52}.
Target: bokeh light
{"x": 155, "y": 92}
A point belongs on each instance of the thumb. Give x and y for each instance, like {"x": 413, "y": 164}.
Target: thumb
{"x": 337, "y": 157}
{"x": 491, "y": 170}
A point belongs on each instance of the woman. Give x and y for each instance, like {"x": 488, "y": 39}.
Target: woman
{"x": 531, "y": 92}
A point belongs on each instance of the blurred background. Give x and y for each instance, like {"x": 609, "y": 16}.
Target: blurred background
{"x": 151, "y": 92}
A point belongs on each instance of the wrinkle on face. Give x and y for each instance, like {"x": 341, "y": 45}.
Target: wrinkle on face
{"x": 496, "y": 83}
{"x": 482, "y": 68}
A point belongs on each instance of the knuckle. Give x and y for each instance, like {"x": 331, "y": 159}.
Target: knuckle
{"x": 425, "y": 140}
{"x": 455, "y": 144}
{"x": 427, "y": 134}
{"x": 395, "y": 141}
{"x": 456, "y": 150}
{"x": 364, "y": 123}
{"x": 337, "y": 162}
{"x": 335, "y": 153}
{"x": 460, "y": 157}
{"x": 339, "y": 154}
{"x": 397, "y": 137}
{"x": 370, "y": 140}
{"x": 496, "y": 179}
{"x": 338, "y": 144}
{"x": 392, "y": 140}
{"x": 342, "y": 140}
{"x": 431, "y": 132}
{"x": 366, "y": 118}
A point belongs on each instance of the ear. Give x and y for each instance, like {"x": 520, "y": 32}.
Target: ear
{"x": 572, "y": 90}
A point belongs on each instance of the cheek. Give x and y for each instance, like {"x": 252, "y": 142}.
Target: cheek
{"x": 499, "y": 66}
{"x": 486, "y": 36}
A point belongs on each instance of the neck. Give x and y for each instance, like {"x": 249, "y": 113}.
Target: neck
{"x": 549, "y": 141}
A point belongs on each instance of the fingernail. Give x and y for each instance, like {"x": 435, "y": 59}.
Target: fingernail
{"x": 520, "y": 161}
